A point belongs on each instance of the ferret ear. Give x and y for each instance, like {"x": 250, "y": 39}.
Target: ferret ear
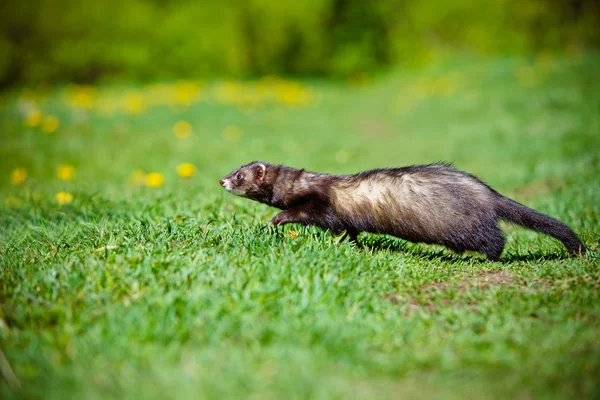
{"x": 260, "y": 172}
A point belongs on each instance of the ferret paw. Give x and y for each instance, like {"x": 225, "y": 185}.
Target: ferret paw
{"x": 277, "y": 220}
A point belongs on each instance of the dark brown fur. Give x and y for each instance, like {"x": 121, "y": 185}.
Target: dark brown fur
{"x": 429, "y": 203}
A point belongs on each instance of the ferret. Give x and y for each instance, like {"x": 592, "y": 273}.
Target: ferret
{"x": 432, "y": 204}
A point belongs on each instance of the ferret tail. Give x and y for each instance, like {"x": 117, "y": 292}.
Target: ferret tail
{"x": 511, "y": 211}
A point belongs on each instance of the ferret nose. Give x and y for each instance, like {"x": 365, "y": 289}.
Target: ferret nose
{"x": 222, "y": 182}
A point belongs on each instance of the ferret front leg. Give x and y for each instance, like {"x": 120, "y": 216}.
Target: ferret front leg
{"x": 292, "y": 215}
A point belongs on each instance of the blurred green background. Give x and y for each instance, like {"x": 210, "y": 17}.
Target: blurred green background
{"x": 87, "y": 40}
{"x": 126, "y": 271}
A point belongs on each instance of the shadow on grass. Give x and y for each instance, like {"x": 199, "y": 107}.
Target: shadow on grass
{"x": 534, "y": 256}
{"x": 439, "y": 253}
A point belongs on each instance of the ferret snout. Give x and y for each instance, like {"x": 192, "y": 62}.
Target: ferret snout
{"x": 222, "y": 182}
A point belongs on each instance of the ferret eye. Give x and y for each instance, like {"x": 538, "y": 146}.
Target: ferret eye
{"x": 239, "y": 177}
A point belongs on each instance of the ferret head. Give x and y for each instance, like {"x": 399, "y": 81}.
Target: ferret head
{"x": 249, "y": 181}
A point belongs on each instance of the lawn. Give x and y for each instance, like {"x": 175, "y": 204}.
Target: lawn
{"x": 124, "y": 273}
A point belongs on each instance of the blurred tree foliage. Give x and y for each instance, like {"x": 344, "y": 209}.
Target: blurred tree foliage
{"x": 85, "y": 40}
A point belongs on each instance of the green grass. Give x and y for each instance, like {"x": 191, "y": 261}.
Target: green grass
{"x": 183, "y": 291}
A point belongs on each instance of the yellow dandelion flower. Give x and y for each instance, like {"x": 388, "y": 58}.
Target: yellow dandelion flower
{"x": 232, "y": 133}
{"x": 155, "y": 179}
{"x": 186, "y": 93}
{"x": 292, "y": 234}
{"x": 186, "y": 170}
{"x": 182, "y": 129}
{"x": 50, "y": 124}
{"x": 133, "y": 103}
{"x": 18, "y": 176}
{"x": 65, "y": 172}
{"x": 12, "y": 201}
{"x": 33, "y": 117}
{"x": 292, "y": 93}
{"x": 138, "y": 177}
{"x": 81, "y": 96}
{"x": 64, "y": 198}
